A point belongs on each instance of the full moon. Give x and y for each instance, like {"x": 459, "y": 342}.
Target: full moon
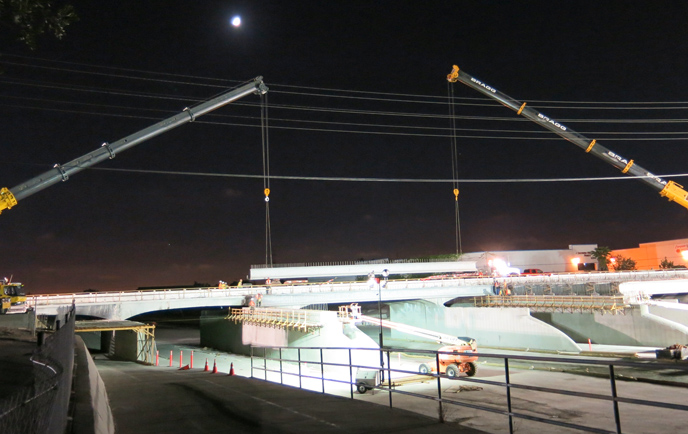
{"x": 236, "y": 21}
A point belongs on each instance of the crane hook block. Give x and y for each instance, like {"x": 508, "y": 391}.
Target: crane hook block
{"x": 453, "y": 76}
{"x": 7, "y": 199}
{"x": 267, "y": 192}
{"x": 456, "y": 194}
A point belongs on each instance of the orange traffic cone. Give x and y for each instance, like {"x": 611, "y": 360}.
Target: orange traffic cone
{"x": 214, "y": 367}
{"x": 231, "y": 369}
{"x": 185, "y": 368}
{"x": 206, "y": 365}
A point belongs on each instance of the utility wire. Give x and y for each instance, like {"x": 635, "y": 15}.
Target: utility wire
{"x": 400, "y": 180}
{"x": 196, "y": 82}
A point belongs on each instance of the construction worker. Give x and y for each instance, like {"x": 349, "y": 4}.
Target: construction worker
{"x": 259, "y": 297}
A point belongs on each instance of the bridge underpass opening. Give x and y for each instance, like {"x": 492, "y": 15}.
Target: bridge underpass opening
{"x": 124, "y": 340}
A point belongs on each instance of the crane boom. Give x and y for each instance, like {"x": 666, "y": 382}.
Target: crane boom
{"x": 9, "y": 197}
{"x": 669, "y": 189}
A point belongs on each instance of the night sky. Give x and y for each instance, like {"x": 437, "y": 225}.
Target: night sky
{"x": 358, "y": 95}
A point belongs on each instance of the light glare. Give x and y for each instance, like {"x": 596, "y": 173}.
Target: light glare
{"x": 236, "y": 21}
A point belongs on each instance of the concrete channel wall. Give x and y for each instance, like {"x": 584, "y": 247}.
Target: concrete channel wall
{"x": 92, "y": 413}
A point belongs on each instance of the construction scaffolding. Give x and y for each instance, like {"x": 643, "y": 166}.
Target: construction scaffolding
{"x": 141, "y": 342}
{"x": 556, "y": 303}
{"x": 296, "y": 319}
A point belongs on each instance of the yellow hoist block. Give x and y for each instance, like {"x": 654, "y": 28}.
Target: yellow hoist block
{"x": 7, "y": 199}
{"x": 675, "y": 193}
{"x": 453, "y": 77}
{"x": 456, "y": 194}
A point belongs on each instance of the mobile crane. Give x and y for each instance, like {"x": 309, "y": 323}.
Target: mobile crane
{"x": 669, "y": 189}
{"x": 12, "y": 297}
{"x": 10, "y": 197}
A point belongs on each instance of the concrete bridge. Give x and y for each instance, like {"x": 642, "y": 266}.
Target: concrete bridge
{"x": 421, "y": 303}
{"x": 124, "y": 305}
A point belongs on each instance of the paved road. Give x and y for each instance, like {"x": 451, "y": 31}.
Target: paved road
{"x": 147, "y": 399}
{"x": 594, "y": 413}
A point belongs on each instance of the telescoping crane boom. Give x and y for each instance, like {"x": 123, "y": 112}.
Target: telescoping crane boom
{"x": 10, "y": 197}
{"x": 669, "y": 189}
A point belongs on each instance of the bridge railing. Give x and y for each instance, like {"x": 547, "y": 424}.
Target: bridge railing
{"x": 279, "y": 289}
{"x": 334, "y": 286}
{"x": 322, "y": 369}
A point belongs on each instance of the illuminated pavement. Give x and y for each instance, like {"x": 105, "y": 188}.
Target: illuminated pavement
{"x": 148, "y": 399}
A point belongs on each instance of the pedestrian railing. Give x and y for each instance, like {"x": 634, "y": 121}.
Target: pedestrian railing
{"x": 314, "y": 367}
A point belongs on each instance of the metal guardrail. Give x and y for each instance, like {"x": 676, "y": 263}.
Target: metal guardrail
{"x": 281, "y": 356}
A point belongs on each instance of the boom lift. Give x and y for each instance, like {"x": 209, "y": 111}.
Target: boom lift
{"x": 669, "y": 189}
{"x": 9, "y": 197}
{"x": 459, "y": 352}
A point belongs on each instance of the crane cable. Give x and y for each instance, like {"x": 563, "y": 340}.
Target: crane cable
{"x": 266, "y": 176}
{"x": 455, "y": 168}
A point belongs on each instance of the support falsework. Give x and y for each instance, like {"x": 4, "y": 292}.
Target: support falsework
{"x": 556, "y": 303}
{"x": 295, "y": 319}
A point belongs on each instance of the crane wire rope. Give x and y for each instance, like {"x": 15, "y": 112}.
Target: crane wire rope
{"x": 265, "y": 142}
{"x": 455, "y": 169}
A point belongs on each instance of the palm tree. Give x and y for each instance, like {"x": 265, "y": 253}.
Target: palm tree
{"x": 602, "y": 255}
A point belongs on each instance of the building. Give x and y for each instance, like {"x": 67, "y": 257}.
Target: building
{"x": 576, "y": 258}
{"x": 648, "y": 256}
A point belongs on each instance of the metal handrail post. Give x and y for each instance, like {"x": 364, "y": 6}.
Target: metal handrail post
{"x": 251, "y": 352}
{"x": 439, "y": 387}
{"x": 265, "y": 362}
{"x": 351, "y": 376}
{"x": 617, "y": 417}
{"x": 508, "y": 394}
{"x": 322, "y": 370}
{"x": 299, "y": 357}
{"x": 389, "y": 380}
{"x": 281, "y": 370}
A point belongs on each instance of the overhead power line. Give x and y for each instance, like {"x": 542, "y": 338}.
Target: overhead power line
{"x": 307, "y": 123}
{"x": 400, "y": 180}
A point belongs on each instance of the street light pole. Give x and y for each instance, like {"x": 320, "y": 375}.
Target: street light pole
{"x": 385, "y": 276}
{"x": 379, "y": 310}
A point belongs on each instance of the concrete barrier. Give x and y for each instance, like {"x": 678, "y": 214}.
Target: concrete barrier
{"x": 92, "y": 414}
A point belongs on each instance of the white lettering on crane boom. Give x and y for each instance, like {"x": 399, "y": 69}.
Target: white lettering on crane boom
{"x": 551, "y": 121}
{"x": 617, "y": 157}
{"x": 481, "y": 84}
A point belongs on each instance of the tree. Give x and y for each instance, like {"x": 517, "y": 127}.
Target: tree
{"x": 666, "y": 263}
{"x": 622, "y": 263}
{"x": 602, "y": 254}
{"x": 27, "y": 20}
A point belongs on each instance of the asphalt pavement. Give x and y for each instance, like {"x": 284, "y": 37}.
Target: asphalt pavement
{"x": 149, "y": 399}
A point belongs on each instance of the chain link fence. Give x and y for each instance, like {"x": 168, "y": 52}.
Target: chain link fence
{"x": 42, "y": 404}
